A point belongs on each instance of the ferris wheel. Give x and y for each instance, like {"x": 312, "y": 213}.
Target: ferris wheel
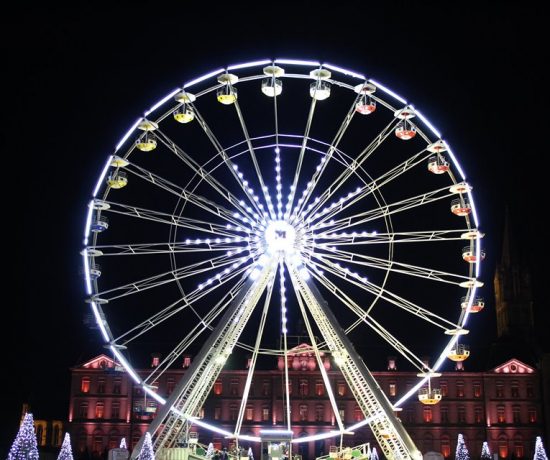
{"x": 278, "y": 198}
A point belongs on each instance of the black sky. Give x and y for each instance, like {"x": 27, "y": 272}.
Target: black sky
{"x": 77, "y": 78}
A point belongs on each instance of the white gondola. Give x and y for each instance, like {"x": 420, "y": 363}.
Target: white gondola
{"x": 99, "y": 224}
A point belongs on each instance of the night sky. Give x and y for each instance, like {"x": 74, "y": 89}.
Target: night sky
{"x": 78, "y": 78}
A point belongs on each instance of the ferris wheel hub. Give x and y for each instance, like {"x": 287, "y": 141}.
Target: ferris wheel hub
{"x": 280, "y": 238}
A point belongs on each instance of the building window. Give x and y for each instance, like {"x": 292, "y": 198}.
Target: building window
{"x": 319, "y": 413}
{"x": 266, "y": 388}
{"x": 503, "y": 447}
{"x": 341, "y": 388}
{"x": 319, "y": 388}
{"x": 357, "y": 414}
{"x": 98, "y": 444}
{"x": 519, "y": 452}
{"x": 265, "y": 414}
{"x": 233, "y": 412}
{"x": 186, "y": 362}
{"x": 249, "y": 414}
{"x": 516, "y": 414}
{"x": 444, "y": 387}
{"x": 477, "y": 390}
{"x": 409, "y": 415}
{"x": 461, "y": 414}
{"x": 532, "y": 414}
{"x": 85, "y": 385}
{"x": 117, "y": 383}
{"x": 500, "y": 414}
{"x": 393, "y": 389}
{"x": 83, "y": 410}
{"x": 460, "y": 389}
{"x": 304, "y": 387}
{"x": 170, "y": 385}
{"x": 445, "y": 446}
{"x": 218, "y": 387}
{"x": 234, "y": 388}
{"x": 444, "y": 414}
{"x": 514, "y": 390}
{"x": 530, "y": 391}
{"x": 500, "y": 390}
{"x": 217, "y": 413}
{"x": 115, "y": 410}
{"x": 342, "y": 414}
{"x": 427, "y": 414}
{"x": 428, "y": 442}
{"x": 478, "y": 414}
{"x": 101, "y": 386}
{"x": 303, "y": 412}
{"x": 99, "y": 410}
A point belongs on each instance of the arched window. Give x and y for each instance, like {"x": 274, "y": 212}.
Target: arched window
{"x": 85, "y": 385}
{"x": 503, "y": 446}
{"x": 114, "y": 439}
{"x": 428, "y": 442}
{"x": 445, "y": 445}
{"x": 39, "y": 434}
{"x": 357, "y": 414}
{"x": 519, "y": 451}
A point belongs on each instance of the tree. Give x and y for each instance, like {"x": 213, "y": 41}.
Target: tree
{"x": 461, "y": 449}
{"x": 210, "y": 451}
{"x": 123, "y": 444}
{"x": 66, "y": 453}
{"x": 250, "y": 454}
{"x": 374, "y": 454}
{"x": 485, "y": 452}
{"x": 147, "y": 449}
{"x": 540, "y": 453}
{"x": 25, "y": 447}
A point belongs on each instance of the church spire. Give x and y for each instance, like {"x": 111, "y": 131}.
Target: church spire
{"x": 513, "y": 292}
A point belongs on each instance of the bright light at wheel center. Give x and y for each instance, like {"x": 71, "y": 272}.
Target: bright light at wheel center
{"x": 279, "y": 238}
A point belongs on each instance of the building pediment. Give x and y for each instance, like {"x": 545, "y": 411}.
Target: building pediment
{"x": 100, "y": 362}
{"x": 513, "y": 366}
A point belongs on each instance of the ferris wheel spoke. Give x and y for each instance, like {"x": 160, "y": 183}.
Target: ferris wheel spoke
{"x": 188, "y": 246}
{"x": 305, "y": 137}
{"x": 383, "y": 293}
{"x": 186, "y": 301}
{"x": 189, "y": 197}
{"x": 252, "y": 365}
{"x": 327, "y": 156}
{"x": 204, "y": 174}
{"x": 373, "y": 237}
{"x": 385, "y": 210}
{"x": 231, "y": 166}
{"x": 362, "y": 192}
{"x": 355, "y": 164}
{"x": 252, "y": 152}
{"x": 204, "y": 266}
{"x": 316, "y": 351}
{"x": 203, "y": 324}
{"x": 172, "y": 220}
{"x": 394, "y": 266}
{"x": 364, "y": 317}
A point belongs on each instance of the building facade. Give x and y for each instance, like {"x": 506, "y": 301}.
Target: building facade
{"x": 502, "y": 406}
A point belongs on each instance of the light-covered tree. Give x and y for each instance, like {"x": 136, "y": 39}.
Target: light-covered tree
{"x": 540, "y": 453}
{"x": 374, "y": 454}
{"x": 147, "y": 449}
{"x": 66, "y": 452}
{"x": 123, "y": 444}
{"x": 485, "y": 452}
{"x": 461, "y": 449}
{"x": 25, "y": 446}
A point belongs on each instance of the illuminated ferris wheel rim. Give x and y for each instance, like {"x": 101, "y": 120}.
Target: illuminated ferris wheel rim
{"x": 95, "y": 303}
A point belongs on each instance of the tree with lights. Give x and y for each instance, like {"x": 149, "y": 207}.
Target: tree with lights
{"x": 374, "y": 454}
{"x": 66, "y": 452}
{"x": 123, "y": 444}
{"x": 25, "y": 447}
{"x": 485, "y": 452}
{"x": 540, "y": 453}
{"x": 210, "y": 451}
{"x": 147, "y": 449}
{"x": 250, "y": 454}
{"x": 461, "y": 449}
